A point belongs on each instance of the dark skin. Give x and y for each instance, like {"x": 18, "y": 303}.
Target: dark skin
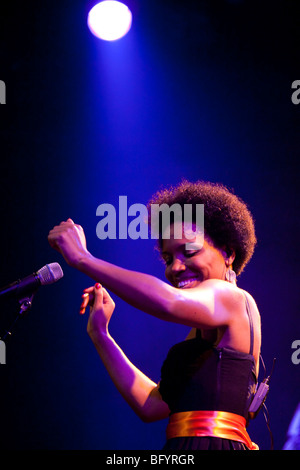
{"x": 199, "y": 297}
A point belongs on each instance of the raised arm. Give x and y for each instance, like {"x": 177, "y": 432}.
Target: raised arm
{"x": 206, "y": 306}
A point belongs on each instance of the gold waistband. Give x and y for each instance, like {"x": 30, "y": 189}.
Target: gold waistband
{"x": 209, "y": 423}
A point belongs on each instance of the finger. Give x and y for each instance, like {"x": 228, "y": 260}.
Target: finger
{"x": 106, "y": 296}
{"x": 98, "y": 293}
{"x": 64, "y": 224}
{"x": 58, "y": 229}
{"x": 84, "y": 303}
{"x": 92, "y": 288}
{"x": 85, "y": 300}
{"x": 91, "y": 296}
{"x": 52, "y": 240}
{"x": 89, "y": 289}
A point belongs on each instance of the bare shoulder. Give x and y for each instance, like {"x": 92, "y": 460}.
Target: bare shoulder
{"x": 212, "y": 304}
{"x": 225, "y": 293}
{"x": 253, "y": 308}
{"x": 237, "y": 336}
{"x": 233, "y": 299}
{"x": 230, "y": 304}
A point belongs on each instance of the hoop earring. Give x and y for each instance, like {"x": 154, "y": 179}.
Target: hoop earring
{"x": 230, "y": 276}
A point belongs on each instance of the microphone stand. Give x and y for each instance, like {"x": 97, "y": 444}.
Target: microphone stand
{"x": 25, "y": 305}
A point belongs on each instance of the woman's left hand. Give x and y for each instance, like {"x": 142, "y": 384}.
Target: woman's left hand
{"x": 101, "y": 309}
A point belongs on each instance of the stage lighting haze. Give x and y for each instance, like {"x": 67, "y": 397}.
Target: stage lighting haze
{"x": 109, "y": 20}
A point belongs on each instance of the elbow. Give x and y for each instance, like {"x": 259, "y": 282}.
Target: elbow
{"x": 151, "y": 417}
{"x": 146, "y": 415}
{"x": 145, "y": 418}
{"x": 153, "y": 411}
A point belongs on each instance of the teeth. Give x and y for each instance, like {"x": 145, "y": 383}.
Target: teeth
{"x": 186, "y": 282}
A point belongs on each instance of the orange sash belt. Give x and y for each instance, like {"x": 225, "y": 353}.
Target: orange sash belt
{"x": 209, "y": 423}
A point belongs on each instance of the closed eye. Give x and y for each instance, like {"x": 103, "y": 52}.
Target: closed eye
{"x": 167, "y": 260}
{"x": 190, "y": 253}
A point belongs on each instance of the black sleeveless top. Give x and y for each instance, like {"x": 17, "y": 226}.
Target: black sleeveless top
{"x": 196, "y": 375}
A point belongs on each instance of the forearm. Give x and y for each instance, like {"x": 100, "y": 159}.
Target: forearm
{"x": 142, "y": 291}
{"x": 135, "y": 387}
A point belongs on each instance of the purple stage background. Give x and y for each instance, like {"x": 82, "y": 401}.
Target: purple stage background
{"x": 197, "y": 89}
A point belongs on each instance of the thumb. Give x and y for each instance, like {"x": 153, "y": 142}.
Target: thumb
{"x": 98, "y": 296}
{"x": 106, "y": 297}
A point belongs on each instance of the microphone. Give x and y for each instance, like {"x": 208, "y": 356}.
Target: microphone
{"x": 21, "y": 288}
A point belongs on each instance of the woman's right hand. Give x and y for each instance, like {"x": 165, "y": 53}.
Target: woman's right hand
{"x": 101, "y": 309}
{"x": 69, "y": 240}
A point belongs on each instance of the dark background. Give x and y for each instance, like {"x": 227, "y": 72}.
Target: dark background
{"x": 197, "y": 89}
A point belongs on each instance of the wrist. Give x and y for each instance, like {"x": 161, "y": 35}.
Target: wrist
{"x": 98, "y": 335}
{"x": 83, "y": 261}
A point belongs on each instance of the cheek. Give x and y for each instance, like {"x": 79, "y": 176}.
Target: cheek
{"x": 217, "y": 264}
{"x": 205, "y": 263}
{"x": 168, "y": 273}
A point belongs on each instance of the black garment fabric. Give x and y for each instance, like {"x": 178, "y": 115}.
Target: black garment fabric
{"x": 198, "y": 376}
{"x": 203, "y": 443}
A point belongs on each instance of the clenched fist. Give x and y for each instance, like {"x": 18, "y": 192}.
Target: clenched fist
{"x": 68, "y": 239}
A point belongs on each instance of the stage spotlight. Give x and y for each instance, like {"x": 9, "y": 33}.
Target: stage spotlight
{"x": 109, "y": 20}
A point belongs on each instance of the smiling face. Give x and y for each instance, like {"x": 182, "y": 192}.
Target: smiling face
{"x": 187, "y": 265}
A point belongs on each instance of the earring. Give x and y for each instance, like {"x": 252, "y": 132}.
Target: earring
{"x": 230, "y": 276}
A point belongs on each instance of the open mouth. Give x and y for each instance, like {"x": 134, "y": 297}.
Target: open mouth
{"x": 187, "y": 282}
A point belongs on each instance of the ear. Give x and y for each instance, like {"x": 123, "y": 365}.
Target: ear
{"x": 229, "y": 256}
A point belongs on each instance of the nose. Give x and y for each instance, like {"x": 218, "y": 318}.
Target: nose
{"x": 177, "y": 266}
{"x": 174, "y": 270}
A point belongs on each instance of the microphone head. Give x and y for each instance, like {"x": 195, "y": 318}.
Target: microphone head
{"x": 50, "y": 273}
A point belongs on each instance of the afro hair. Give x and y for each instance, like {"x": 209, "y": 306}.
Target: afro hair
{"x": 227, "y": 219}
